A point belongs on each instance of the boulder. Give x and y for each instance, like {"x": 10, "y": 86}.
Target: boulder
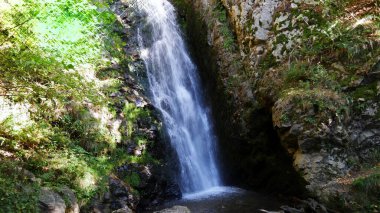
{"x": 71, "y": 200}
{"x": 121, "y": 195}
{"x": 175, "y": 209}
{"x": 123, "y": 210}
{"x": 51, "y": 202}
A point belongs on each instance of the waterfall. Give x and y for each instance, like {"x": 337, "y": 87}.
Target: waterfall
{"x": 177, "y": 93}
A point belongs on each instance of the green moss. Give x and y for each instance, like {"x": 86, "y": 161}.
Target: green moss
{"x": 76, "y": 168}
{"x": 285, "y": 118}
{"x": 267, "y": 62}
{"x": 367, "y": 191}
{"x": 311, "y": 120}
{"x": 296, "y": 73}
{"x": 131, "y": 114}
{"x": 281, "y": 39}
{"x": 303, "y": 75}
{"x": 229, "y": 41}
{"x": 313, "y": 106}
{"x": 133, "y": 179}
{"x": 366, "y": 92}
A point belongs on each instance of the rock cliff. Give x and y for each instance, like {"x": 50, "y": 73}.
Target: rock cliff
{"x": 312, "y": 66}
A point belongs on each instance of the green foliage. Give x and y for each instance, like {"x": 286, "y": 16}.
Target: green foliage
{"x": 131, "y": 115}
{"x": 367, "y": 191}
{"x": 333, "y": 38}
{"x": 63, "y": 59}
{"x": 296, "y": 73}
{"x": 49, "y": 47}
{"x": 335, "y": 7}
{"x": 337, "y": 38}
{"x": 18, "y": 192}
{"x": 83, "y": 172}
{"x": 16, "y": 137}
{"x": 267, "y": 62}
{"x": 133, "y": 179}
{"x": 219, "y": 13}
{"x": 284, "y": 118}
{"x": 366, "y": 92}
{"x": 307, "y": 76}
{"x": 87, "y": 131}
{"x": 312, "y": 106}
{"x": 229, "y": 40}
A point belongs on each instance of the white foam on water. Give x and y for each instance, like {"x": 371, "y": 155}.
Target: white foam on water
{"x": 220, "y": 191}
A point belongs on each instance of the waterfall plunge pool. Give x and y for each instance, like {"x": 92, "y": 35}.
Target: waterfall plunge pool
{"x": 224, "y": 200}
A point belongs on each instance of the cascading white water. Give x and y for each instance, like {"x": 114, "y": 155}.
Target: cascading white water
{"x": 176, "y": 92}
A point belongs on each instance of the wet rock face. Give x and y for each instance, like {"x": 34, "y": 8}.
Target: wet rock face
{"x": 250, "y": 150}
{"x": 121, "y": 195}
{"x": 162, "y": 191}
{"x": 317, "y": 126}
{"x": 152, "y": 183}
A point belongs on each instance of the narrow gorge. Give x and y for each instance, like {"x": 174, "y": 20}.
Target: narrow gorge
{"x": 189, "y": 106}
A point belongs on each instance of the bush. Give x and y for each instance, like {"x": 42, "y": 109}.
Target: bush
{"x": 18, "y": 192}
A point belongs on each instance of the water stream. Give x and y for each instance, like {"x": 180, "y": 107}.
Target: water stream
{"x": 177, "y": 93}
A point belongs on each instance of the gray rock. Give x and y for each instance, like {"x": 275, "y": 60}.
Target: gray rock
{"x": 373, "y": 75}
{"x": 123, "y": 210}
{"x": 27, "y": 175}
{"x": 309, "y": 145}
{"x": 265, "y": 211}
{"x": 51, "y": 202}
{"x": 175, "y": 209}
{"x": 288, "y": 209}
{"x": 314, "y": 206}
{"x": 71, "y": 200}
{"x": 120, "y": 194}
{"x": 118, "y": 188}
{"x": 263, "y": 18}
{"x": 365, "y": 135}
{"x": 107, "y": 196}
{"x": 308, "y": 205}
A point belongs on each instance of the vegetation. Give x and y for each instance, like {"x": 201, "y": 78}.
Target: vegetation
{"x": 219, "y": 12}
{"x": 310, "y": 75}
{"x": 60, "y": 61}
{"x": 18, "y": 194}
{"x": 322, "y": 80}
{"x": 338, "y": 44}
{"x": 367, "y": 191}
